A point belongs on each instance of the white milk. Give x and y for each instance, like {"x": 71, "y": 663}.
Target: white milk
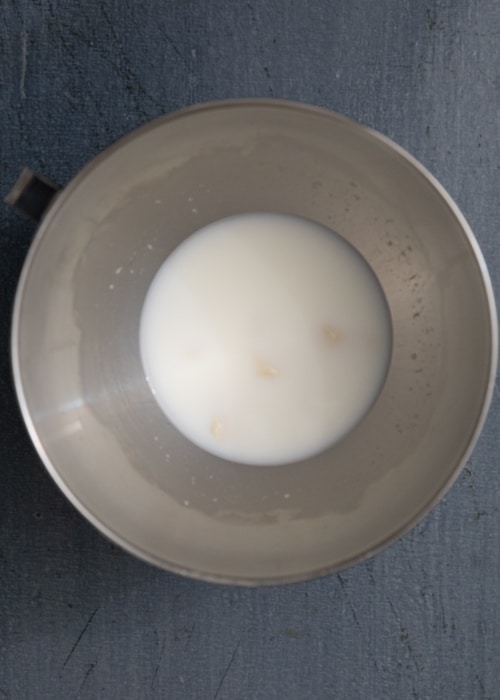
{"x": 265, "y": 338}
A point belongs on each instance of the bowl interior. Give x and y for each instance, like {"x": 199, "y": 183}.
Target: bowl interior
{"x": 81, "y": 384}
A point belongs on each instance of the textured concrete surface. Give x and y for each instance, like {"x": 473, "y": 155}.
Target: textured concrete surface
{"x": 81, "y": 619}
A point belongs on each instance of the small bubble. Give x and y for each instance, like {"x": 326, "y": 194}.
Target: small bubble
{"x": 149, "y": 246}
{"x": 118, "y": 270}
{"x": 286, "y": 495}
{"x": 194, "y": 210}
{"x": 111, "y": 286}
{"x": 157, "y": 201}
{"x": 186, "y": 503}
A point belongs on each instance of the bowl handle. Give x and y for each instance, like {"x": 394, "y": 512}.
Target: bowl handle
{"x": 32, "y": 194}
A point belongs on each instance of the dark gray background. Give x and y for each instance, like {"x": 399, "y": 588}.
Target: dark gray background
{"x": 81, "y": 619}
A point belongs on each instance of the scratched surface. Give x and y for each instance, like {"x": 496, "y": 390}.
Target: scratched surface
{"x": 81, "y": 619}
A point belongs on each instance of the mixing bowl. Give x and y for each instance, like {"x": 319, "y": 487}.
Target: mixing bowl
{"x": 94, "y": 420}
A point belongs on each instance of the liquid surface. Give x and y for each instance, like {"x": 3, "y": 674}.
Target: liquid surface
{"x": 265, "y": 338}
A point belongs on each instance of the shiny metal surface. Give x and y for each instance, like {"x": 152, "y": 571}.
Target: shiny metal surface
{"x": 83, "y": 393}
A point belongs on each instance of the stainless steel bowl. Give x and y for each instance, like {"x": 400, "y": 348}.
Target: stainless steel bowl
{"x": 82, "y": 389}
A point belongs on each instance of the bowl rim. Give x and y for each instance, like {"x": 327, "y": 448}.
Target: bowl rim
{"x": 115, "y": 537}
